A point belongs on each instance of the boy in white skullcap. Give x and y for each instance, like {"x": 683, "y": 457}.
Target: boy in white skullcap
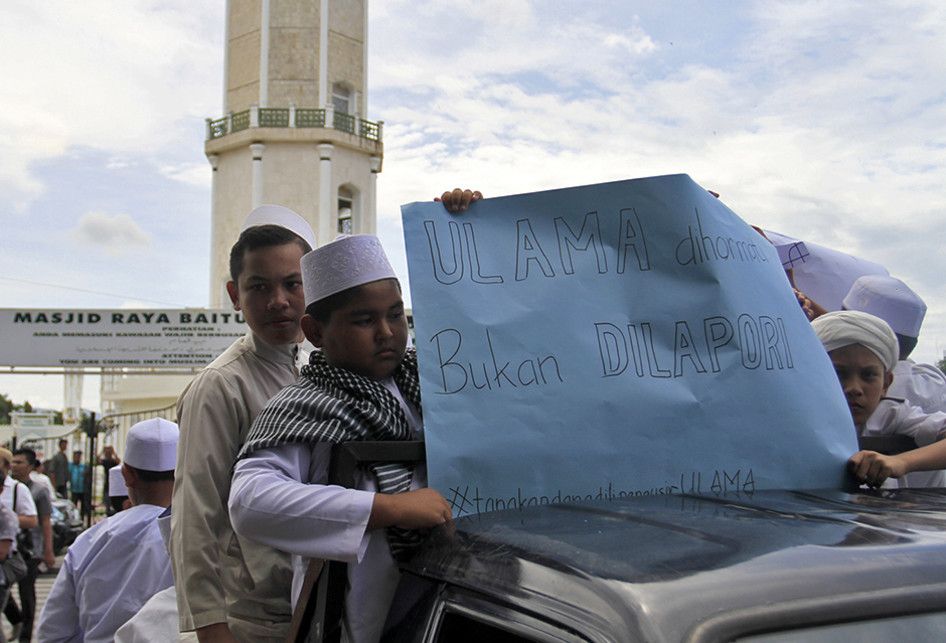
{"x": 115, "y": 566}
{"x": 361, "y": 385}
{"x": 864, "y": 350}
{"x": 211, "y": 563}
{"x": 922, "y": 385}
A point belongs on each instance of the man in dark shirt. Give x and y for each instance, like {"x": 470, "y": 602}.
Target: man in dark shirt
{"x": 59, "y": 469}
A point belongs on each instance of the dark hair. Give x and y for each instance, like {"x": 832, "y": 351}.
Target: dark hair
{"x": 152, "y": 476}
{"x": 323, "y": 308}
{"x": 63, "y": 441}
{"x": 906, "y": 344}
{"x": 29, "y": 453}
{"x": 261, "y": 236}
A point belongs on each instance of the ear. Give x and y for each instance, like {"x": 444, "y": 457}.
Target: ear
{"x": 888, "y": 380}
{"x": 312, "y": 329}
{"x": 131, "y": 478}
{"x": 234, "y": 291}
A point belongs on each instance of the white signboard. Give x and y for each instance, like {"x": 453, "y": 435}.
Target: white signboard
{"x": 22, "y": 419}
{"x": 133, "y": 338}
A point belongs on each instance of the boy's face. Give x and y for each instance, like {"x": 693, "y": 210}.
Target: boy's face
{"x": 20, "y": 467}
{"x": 368, "y": 335}
{"x": 863, "y": 379}
{"x": 269, "y": 293}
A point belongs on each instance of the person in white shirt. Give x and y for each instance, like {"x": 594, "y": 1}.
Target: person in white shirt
{"x": 863, "y": 350}
{"x": 113, "y": 568}
{"x": 37, "y": 476}
{"x": 361, "y": 385}
{"x": 921, "y": 385}
{"x": 23, "y": 507}
{"x": 157, "y": 620}
{"x": 8, "y": 530}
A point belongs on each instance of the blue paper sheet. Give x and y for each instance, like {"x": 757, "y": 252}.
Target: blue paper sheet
{"x": 627, "y": 338}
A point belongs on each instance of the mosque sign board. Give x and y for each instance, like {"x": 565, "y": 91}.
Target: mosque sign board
{"x": 621, "y": 339}
{"x": 119, "y": 338}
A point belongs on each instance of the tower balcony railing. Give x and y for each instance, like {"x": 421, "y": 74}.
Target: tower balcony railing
{"x": 298, "y": 117}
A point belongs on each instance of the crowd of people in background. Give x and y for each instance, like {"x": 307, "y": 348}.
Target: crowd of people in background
{"x": 29, "y": 494}
{"x": 247, "y": 466}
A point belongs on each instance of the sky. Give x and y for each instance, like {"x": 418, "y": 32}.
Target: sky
{"x": 825, "y": 121}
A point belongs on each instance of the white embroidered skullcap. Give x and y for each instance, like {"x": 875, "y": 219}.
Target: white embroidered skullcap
{"x": 152, "y": 445}
{"x": 116, "y": 483}
{"x": 349, "y": 261}
{"x": 845, "y": 327}
{"x": 280, "y": 216}
{"x": 891, "y": 300}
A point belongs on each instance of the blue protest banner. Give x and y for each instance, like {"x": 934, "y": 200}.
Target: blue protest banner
{"x": 626, "y": 338}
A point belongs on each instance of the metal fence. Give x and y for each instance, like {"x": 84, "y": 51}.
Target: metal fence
{"x": 301, "y": 117}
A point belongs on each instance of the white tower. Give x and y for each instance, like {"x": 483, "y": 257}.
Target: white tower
{"x": 295, "y": 133}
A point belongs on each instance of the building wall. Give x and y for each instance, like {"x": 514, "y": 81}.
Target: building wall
{"x": 293, "y": 60}
{"x": 242, "y": 73}
{"x": 291, "y": 161}
{"x": 293, "y": 67}
{"x": 290, "y": 171}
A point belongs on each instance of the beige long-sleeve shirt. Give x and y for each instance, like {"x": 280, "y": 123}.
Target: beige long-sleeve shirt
{"x": 219, "y": 576}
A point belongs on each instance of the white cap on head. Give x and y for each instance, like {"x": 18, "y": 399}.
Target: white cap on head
{"x": 891, "y": 300}
{"x": 845, "y": 327}
{"x": 349, "y": 261}
{"x": 116, "y": 483}
{"x": 152, "y": 445}
{"x": 283, "y": 217}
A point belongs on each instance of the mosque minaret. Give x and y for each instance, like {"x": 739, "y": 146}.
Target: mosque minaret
{"x": 294, "y": 133}
{"x": 295, "y": 130}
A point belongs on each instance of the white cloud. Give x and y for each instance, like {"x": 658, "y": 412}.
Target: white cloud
{"x": 197, "y": 174}
{"x": 822, "y": 120}
{"x": 114, "y": 76}
{"x": 116, "y": 234}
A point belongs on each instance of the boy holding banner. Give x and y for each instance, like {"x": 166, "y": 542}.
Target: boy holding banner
{"x": 361, "y": 385}
{"x": 864, "y": 352}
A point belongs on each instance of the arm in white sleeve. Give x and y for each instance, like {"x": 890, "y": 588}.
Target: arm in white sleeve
{"x": 925, "y": 428}
{"x": 59, "y": 620}
{"x": 900, "y": 418}
{"x": 922, "y": 385}
{"x": 25, "y": 505}
{"x": 271, "y": 502}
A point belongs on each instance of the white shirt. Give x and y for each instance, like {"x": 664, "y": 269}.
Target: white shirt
{"x": 278, "y": 497}
{"x": 156, "y": 622}
{"x": 921, "y": 385}
{"x": 110, "y": 571}
{"x": 24, "y": 500}
{"x": 895, "y": 417}
{"x": 43, "y": 480}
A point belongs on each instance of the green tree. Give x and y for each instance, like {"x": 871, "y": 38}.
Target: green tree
{"x": 6, "y": 406}
{"x": 942, "y": 364}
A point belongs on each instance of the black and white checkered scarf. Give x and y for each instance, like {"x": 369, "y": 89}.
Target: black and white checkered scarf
{"x": 329, "y": 404}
